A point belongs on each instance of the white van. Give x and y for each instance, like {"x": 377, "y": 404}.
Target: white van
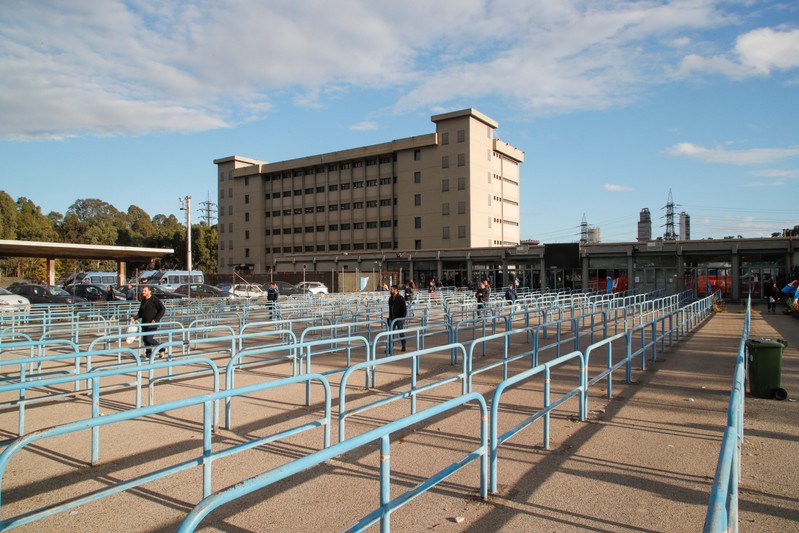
{"x": 170, "y": 280}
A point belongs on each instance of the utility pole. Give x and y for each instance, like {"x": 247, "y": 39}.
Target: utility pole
{"x": 185, "y": 205}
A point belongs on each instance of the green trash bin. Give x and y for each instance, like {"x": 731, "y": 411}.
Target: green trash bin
{"x": 765, "y": 368}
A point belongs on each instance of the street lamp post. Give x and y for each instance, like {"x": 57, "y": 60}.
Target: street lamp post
{"x": 185, "y": 205}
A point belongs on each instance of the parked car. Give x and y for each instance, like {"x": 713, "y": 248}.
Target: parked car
{"x": 93, "y": 293}
{"x": 202, "y": 290}
{"x": 45, "y": 294}
{"x": 287, "y": 289}
{"x": 159, "y": 292}
{"x": 315, "y": 287}
{"x": 248, "y": 290}
{"x": 10, "y": 301}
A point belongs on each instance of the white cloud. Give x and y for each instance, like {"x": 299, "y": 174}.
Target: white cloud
{"x": 754, "y": 156}
{"x": 756, "y": 53}
{"x": 617, "y": 188}
{"x": 366, "y": 125}
{"x": 134, "y": 67}
{"x": 777, "y": 173}
{"x": 765, "y": 184}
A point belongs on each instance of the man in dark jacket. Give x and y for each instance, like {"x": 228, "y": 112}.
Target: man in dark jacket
{"x": 272, "y": 294}
{"x": 510, "y": 293}
{"x": 151, "y": 311}
{"x": 397, "y": 309}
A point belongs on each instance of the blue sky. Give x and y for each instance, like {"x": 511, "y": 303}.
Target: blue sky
{"x": 615, "y": 103}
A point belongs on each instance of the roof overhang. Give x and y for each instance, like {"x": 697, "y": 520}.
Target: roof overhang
{"x": 61, "y": 250}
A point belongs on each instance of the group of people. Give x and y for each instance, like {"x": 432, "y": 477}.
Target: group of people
{"x": 483, "y": 294}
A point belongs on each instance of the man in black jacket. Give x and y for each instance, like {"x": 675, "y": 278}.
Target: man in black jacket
{"x": 397, "y": 309}
{"x": 151, "y": 311}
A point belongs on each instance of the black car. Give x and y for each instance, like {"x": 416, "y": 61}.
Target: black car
{"x": 93, "y": 293}
{"x": 45, "y": 294}
{"x": 287, "y": 289}
{"x": 160, "y": 293}
{"x": 202, "y": 290}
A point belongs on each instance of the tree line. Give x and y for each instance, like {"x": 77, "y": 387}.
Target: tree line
{"x": 93, "y": 221}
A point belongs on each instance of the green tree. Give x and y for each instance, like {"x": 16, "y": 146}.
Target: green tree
{"x": 8, "y": 216}
{"x": 169, "y": 233}
{"x": 204, "y": 241}
{"x": 32, "y": 225}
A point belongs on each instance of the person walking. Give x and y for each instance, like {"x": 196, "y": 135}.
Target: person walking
{"x": 481, "y": 296}
{"x": 510, "y": 293}
{"x": 151, "y": 311}
{"x": 397, "y": 309}
{"x": 109, "y": 294}
{"x": 772, "y": 294}
{"x": 130, "y": 294}
{"x": 272, "y": 294}
{"x": 408, "y": 292}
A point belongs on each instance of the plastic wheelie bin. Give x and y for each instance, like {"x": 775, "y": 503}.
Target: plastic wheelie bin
{"x": 765, "y": 368}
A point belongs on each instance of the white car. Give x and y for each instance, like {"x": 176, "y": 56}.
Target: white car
{"x": 10, "y": 301}
{"x": 248, "y": 290}
{"x": 315, "y": 287}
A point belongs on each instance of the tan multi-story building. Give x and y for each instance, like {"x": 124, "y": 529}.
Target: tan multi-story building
{"x": 455, "y": 188}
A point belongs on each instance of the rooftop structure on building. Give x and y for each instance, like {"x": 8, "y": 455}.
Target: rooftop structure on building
{"x": 644, "y": 226}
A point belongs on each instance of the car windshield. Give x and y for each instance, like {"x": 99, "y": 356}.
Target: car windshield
{"x": 56, "y": 291}
{"x": 4, "y": 292}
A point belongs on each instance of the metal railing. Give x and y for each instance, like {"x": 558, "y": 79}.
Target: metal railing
{"x": 722, "y": 510}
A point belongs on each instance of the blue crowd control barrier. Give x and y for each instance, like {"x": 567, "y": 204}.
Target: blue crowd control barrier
{"x": 722, "y": 511}
{"x": 505, "y": 359}
{"x": 205, "y": 459}
{"x": 549, "y": 405}
{"x": 306, "y": 351}
{"x": 416, "y": 336}
{"x": 413, "y": 391}
{"x": 609, "y": 366}
{"x": 383, "y": 434}
{"x": 25, "y": 382}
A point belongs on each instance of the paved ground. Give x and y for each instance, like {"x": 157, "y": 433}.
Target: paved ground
{"x": 644, "y": 461}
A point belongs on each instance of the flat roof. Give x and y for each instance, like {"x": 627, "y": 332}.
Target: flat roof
{"x": 62, "y": 250}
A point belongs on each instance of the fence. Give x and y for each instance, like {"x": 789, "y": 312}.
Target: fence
{"x": 722, "y": 512}
{"x": 566, "y": 321}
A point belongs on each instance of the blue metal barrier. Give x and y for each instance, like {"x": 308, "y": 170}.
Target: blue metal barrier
{"x": 383, "y": 434}
{"x": 549, "y": 406}
{"x": 722, "y": 511}
{"x": 24, "y": 382}
{"x": 204, "y": 459}
{"x": 413, "y": 391}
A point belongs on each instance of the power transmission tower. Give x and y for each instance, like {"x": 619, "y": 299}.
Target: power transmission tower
{"x": 208, "y": 210}
{"x": 670, "y": 234}
{"x": 583, "y": 231}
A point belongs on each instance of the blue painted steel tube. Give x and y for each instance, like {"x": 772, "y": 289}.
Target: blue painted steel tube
{"x": 265, "y": 479}
{"x": 385, "y": 482}
{"x": 307, "y": 348}
{"x": 549, "y": 406}
{"x": 412, "y": 393}
{"x": 206, "y": 456}
{"x": 24, "y": 383}
{"x": 504, "y": 361}
{"x": 609, "y": 365}
{"x": 722, "y": 512}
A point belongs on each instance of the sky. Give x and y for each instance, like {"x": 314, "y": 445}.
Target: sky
{"x": 616, "y": 104}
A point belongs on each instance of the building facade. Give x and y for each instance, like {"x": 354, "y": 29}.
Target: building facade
{"x": 456, "y": 188}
